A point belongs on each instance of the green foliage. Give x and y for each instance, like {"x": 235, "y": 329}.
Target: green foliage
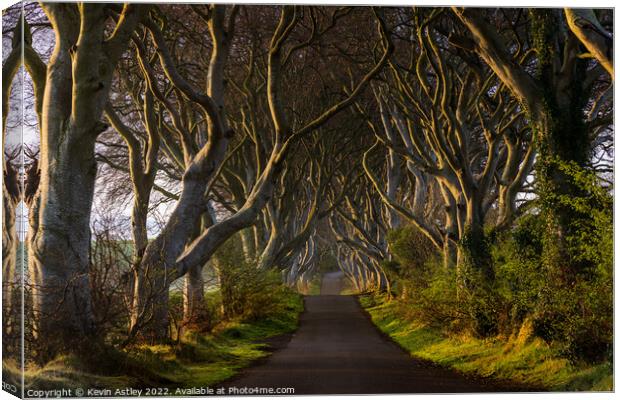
{"x": 519, "y": 271}
{"x": 410, "y": 247}
{"x": 576, "y": 316}
{"x": 409, "y": 268}
{"x": 565, "y": 302}
{"x": 590, "y": 236}
{"x": 475, "y": 278}
{"x": 314, "y": 288}
{"x": 429, "y": 295}
{"x": 210, "y": 311}
{"x": 430, "y": 291}
{"x": 569, "y": 299}
{"x": 247, "y": 293}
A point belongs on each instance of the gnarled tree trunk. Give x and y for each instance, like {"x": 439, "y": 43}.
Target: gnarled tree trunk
{"x": 78, "y": 78}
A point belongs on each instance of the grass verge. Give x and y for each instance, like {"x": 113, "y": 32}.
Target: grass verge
{"x": 314, "y": 288}
{"x": 523, "y": 359}
{"x": 197, "y": 360}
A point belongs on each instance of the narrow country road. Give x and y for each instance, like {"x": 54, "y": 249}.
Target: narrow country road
{"x": 332, "y": 283}
{"x": 337, "y": 350}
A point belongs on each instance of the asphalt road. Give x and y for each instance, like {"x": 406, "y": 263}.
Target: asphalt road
{"x": 337, "y": 350}
{"x": 332, "y": 283}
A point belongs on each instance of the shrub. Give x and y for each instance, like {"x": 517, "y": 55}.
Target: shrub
{"x": 519, "y": 273}
{"x": 409, "y": 270}
{"x": 570, "y": 308}
{"x": 246, "y": 292}
{"x": 410, "y": 247}
{"x": 565, "y": 301}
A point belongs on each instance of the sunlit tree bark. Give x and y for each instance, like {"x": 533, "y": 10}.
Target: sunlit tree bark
{"x": 587, "y": 28}
{"x": 555, "y": 101}
{"x": 75, "y": 91}
{"x": 168, "y": 256}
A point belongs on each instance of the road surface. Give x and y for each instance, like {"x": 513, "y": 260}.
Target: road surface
{"x": 332, "y": 283}
{"x": 337, "y": 350}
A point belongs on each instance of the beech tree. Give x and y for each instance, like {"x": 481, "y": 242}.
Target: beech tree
{"x": 553, "y": 93}
{"x": 170, "y": 255}
{"x": 298, "y": 136}
{"x": 70, "y": 92}
{"x": 454, "y": 124}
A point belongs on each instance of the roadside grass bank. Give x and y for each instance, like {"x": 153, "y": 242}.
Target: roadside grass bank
{"x": 195, "y": 360}
{"x": 348, "y": 289}
{"x": 314, "y": 287}
{"x": 522, "y": 358}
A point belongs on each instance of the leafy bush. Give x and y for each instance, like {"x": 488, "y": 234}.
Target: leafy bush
{"x": 409, "y": 271}
{"x": 576, "y": 307}
{"x": 247, "y": 292}
{"x": 410, "y": 247}
{"x": 570, "y": 308}
{"x": 426, "y": 289}
{"x": 208, "y": 314}
{"x": 565, "y": 301}
{"x": 519, "y": 273}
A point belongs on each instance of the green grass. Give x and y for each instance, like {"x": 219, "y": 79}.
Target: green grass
{"x": 63, "y": 372}
{"x": 348, "y": 289}
{"x": 314, "y": 288}
{"x": 198, "y": 360}
{"x": 522, "y": 358}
